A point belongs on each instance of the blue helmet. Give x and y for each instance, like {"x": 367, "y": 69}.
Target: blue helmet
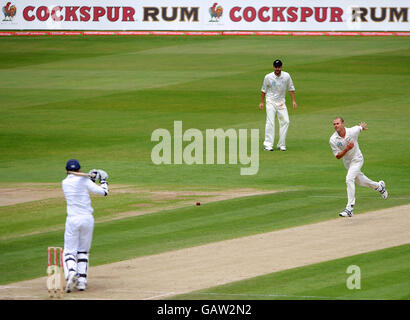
{"x": 72, "y": 165}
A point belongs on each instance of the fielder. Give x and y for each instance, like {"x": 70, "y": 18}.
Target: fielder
{"x": 274, "y": 89}
{"x": 79, "y": 225}
{"x": 344, "y": 145}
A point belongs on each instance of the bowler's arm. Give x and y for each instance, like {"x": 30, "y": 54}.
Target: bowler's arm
{"x": 342, "y": 153}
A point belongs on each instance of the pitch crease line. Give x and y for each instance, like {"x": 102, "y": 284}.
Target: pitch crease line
{"x": 284, "y": 295}
{"x": 161, "y": 295}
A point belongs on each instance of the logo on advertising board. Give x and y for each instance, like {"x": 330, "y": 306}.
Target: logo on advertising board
{"x": 216, "y": 12}
{"x": 210, "y": 15}
{"x": 9, "y": 11}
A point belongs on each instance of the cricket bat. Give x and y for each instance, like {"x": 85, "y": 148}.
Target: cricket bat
{"x": 82, "y": 174}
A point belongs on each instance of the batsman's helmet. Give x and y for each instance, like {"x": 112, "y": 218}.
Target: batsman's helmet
{"x": 72, "y": 165}
{"x": 277, "y": 63}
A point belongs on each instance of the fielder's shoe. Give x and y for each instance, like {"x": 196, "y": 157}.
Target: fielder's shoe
{"x": 71, "y": 282}
{"x": 81, "y": 286}
{"x": 282, "y": 148}
{"x": 382, "y": 189}
{"x": 267, "y": 149}
{"x": 346, "y": 213}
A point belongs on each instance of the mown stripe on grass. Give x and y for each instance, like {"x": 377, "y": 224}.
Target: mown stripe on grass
{"x": 384, "y": 275}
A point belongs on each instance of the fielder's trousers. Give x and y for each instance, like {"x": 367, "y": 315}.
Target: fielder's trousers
{"x": 283, "y": 120}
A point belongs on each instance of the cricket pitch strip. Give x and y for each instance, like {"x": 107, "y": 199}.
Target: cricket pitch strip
{"x": 164, "y": 275}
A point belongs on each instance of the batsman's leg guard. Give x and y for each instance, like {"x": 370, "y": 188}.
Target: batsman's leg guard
{"x": 82, "y": 266}
{"x": 70, "y": 264}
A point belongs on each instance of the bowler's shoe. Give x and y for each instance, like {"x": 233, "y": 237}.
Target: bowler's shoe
{"x": 346, "y": 213}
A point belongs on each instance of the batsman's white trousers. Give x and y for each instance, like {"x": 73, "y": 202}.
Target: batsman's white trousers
{"x": 78, "y": 233}
{"x": 77, "y": 239}
{"x": 283, "y": 119}
{"x": 355, "y": 175}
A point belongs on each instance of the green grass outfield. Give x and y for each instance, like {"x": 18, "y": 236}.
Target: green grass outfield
{"x": 98, "y": 99}
{"x": 384, "y": 275}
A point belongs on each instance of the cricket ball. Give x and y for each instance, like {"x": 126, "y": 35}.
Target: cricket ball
{"x": 198, "y": 203}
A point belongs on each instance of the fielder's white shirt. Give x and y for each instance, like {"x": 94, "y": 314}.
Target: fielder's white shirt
{"x": 337, "y": 143}
{"x": 275, "y": 88}
{"x": 76, "y": 191}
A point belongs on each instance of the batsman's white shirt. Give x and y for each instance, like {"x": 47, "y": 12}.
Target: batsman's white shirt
{"x": 337, "y": 143}
{"x": 275, "y": 88}
{"x": 76, "y": 190}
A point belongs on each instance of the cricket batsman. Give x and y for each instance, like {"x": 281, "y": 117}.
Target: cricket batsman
{"x": 79, "y": 224}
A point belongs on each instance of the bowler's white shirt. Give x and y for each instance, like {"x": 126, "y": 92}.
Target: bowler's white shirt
{"x": 275, "y": 88}
{"x": 337, "y": 143}
{"x": 76, "y": 191}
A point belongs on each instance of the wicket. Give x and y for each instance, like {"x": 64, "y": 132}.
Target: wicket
{"x": 55, "y": 272}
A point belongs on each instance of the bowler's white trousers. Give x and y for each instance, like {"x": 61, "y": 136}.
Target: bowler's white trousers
{"x": 283, "y": 119}
{"x": 355, "y": 175}
{"x": 77, "y": 243}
